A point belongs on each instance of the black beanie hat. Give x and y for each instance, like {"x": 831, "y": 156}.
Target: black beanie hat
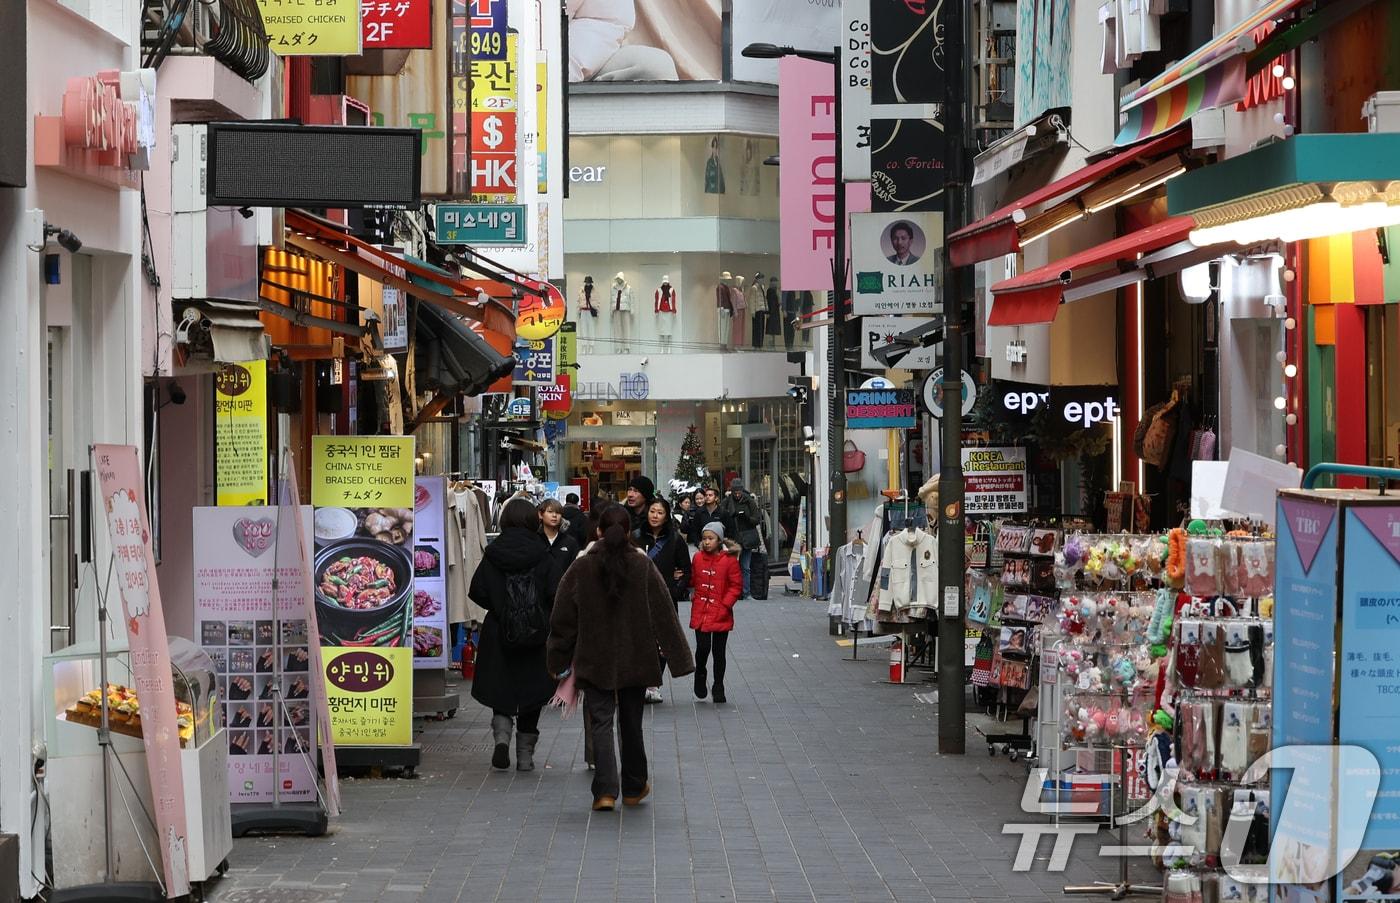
{"x": 643, "y": 485}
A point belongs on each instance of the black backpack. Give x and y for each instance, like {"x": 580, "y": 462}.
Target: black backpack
{"x": 523, "y": 622}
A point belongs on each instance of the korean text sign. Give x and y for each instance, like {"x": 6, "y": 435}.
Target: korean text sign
{"x": 322, "y": 28}
{"x": 397, "y": 24}
{"x": 995, "y": 480}
{"x": 240, "y": 433}
{"x": 262, "y": 655}
{"x": 122, "y": 484}
{"x": 363, "y": 582}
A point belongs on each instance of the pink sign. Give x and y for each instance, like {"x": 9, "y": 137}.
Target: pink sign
{"x": 129, "y": 526}
{"x": 807, "y": 178}
{"x": 1308, "y": 523}
{"x": 1384, "y": 525}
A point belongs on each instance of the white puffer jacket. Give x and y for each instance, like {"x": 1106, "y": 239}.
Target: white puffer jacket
{"x": 909, "y": 571}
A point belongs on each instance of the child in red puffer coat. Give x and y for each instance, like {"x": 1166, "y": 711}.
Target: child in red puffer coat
{"x": 717, "y": 583}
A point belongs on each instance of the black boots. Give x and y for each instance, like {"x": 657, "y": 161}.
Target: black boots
{"x": 719, "y": 694}
{"x": 701, "y": 683}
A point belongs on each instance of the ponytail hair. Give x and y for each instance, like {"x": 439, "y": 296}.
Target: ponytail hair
{"x": 615, "y": 536}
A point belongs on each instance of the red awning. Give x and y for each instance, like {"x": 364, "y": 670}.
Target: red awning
{"x": 999, "y": 233}
{"x": 1034, "y": 297}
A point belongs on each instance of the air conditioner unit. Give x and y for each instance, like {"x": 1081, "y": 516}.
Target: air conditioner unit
{"x": 213, "y": 250}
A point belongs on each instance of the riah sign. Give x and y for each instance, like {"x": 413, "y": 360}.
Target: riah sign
{"x": 896, "y": 257}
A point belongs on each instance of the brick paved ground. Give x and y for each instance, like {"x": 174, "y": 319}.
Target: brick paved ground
{"x": 816, "y": 782}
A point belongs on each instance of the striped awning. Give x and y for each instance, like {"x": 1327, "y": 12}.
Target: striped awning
{"x": 1212, "y": 76}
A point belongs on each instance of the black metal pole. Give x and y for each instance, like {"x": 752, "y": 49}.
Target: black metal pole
{"x": 952, "y": 730}
{"x": 836, "y": 338}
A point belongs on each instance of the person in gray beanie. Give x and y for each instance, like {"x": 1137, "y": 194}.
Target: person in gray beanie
{"x": 743, "y": 521}
{"x": 717, "y": 585}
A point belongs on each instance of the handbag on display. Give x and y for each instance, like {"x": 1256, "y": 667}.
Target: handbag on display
{"x": 852, "y": 458}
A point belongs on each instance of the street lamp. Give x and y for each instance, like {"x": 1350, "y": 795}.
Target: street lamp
{"x": 836, "y": 339}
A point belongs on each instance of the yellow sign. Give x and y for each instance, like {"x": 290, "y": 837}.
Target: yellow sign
{"x": 492, "y": 86}
{"x": 370, "y": 695}
{"x": 240, "y": 433}
{"x": 542, "y": 120}
{"x": 312, "y": 27}
{"x": 362, "y": 471}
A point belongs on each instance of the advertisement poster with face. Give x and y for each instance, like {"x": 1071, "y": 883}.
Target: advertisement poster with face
{"x": 429, "y": 573}
{"x": 363, "y": 491}
{"x": 896, "y": 259}
{"x": 261, "y": 653}
{"x": 644, "y": 40}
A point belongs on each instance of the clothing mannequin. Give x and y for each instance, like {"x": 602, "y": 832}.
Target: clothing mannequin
{"x": 666, "y": 302}
{"x": 724, "y": 311}
{"x": 741, "y": 321}
{"x": 586, "y": 315}
{"x": 773, "y": 300}
{"x": 757, "y": 300}
{"x": 620, "y": 308}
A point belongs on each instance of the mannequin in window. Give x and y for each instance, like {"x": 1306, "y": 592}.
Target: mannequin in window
{"x": 714, "y": 169}
{"x": 741, "y": 320}
{"x": 756, "y": 298}
{"x": 773, "y": 299}
{"x": 586, "y": 315}
{"x": 620, "y": 312}
{"x": 724, "y": 311}
{"x": 666, "y": 302}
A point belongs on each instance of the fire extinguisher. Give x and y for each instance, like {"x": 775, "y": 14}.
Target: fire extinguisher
{"x": 897, "y": 661}
{"x": 469, "y": 657}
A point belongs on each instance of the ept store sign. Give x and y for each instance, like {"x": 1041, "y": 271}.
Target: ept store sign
{"x": 1084, "y": 406}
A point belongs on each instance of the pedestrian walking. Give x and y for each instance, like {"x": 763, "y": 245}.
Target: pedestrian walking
{"x": 640, "y": 492}
{"x": 706, "y": 509}
{"x": 743, "y": 522}
{"x": 516, "y": 584}
{"x": 613, "y": 611}
{"x": 717, "y": 585}
{"x": 666, "y": 548}
{"x": 578, "y": 521}
{"x": 555, "y": 529}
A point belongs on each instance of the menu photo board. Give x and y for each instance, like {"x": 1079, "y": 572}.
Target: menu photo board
{"x": 261, "y": 649}
{"x": 362, "y": 488}
{"x": 430, "y": 637}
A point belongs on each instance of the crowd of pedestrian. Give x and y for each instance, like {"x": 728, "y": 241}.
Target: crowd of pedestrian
{"x": 592, "y": 599}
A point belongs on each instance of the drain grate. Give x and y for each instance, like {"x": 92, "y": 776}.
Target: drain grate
{"x": 275, "y": 895}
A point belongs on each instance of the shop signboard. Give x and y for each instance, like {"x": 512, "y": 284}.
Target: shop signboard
{"x": 540, "y": 316}
{"x": 481, "y": 224}
{"x": 855, "y": 90}
{"x": 363, "y": 490}
{"x": 556, "y": 400}
{"x": 880, "y": 409}
{"x": 1305, "y": 602}
{"x": 328, "y": 28}
{"x": 430, "y": 572}
{"x": 534, "y": 362}
{"x": 907, "y": 165}
{"x": 878, "y": 333}
{"x": 121, "y": 480}
{"x": 418, "y": 97}
{"x": 261, "y": 653}
{"x": 932, "y": 393}
{"x": 905, "y": 38}
{"x": 491, "y": 97}
{"x": 397, "y": 24}
{"x": 1369, "y": 684}
{"x": 488, "y": 26}
{"x": 240, "y": 433}
{"x": 503, "y": 410}
{"x": 1083, "y": 406}
{"x": 995, "y": 480}
{"x": 567, "y": 353}
{"x": 896, "y": 262}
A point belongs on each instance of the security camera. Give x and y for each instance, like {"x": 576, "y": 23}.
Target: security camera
{"x": 177, "y": 393}
{"x": 66, "y": 239}
{"x": 645, "y": 361}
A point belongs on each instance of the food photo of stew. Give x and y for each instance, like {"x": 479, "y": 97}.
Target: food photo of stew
{"x": 358, "y": 583}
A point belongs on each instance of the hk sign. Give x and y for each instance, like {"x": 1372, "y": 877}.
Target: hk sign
{"x": 1086, "y": 406}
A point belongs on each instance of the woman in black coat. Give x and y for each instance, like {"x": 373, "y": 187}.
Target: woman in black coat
{"x": 667, "y": 549}
{"x": 514, "y": 681}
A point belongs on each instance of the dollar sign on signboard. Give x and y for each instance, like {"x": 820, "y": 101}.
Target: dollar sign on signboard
{"x": 491, "y": 125}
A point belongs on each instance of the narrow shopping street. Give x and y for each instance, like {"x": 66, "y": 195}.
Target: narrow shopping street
{"x": 815, "y": 782}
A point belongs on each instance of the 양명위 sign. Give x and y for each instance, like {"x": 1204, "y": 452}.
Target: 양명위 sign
{"x": 880, "y": 409}
{"x": 240, "y": 433}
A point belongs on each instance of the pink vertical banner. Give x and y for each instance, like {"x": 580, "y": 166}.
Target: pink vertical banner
{"x": 129, "y": 526}
{"x": 292, "y": 496}
{"x": 807, "y": 177}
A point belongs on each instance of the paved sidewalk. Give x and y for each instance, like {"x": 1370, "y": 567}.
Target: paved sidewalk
{"x": 816, "y": 782}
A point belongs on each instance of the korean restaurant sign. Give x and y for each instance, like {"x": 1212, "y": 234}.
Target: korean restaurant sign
{"x": 122, "y": 483}
{"x": 995, "y": 480}
{"x": 365, "y": 500}
{"x": 240, "y": 433}
{"x": 540, "y": 317}
{"x": 312, "y": 27}
{"x": 397, "y": 24}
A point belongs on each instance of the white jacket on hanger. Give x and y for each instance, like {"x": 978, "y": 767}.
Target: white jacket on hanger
{"x": 909, "y": 571}
{"x": 465, "y": 547}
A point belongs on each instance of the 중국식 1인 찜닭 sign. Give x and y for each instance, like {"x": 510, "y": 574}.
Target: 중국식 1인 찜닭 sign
{"x": 363, "y": 581}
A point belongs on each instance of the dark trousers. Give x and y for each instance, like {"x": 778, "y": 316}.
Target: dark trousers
{"x": 626, "y": 706}
{"x": 704, "y": 643}
{"x": 525, "y": 722}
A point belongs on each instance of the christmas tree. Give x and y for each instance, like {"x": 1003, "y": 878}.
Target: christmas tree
{"x": 690, "y": 467}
